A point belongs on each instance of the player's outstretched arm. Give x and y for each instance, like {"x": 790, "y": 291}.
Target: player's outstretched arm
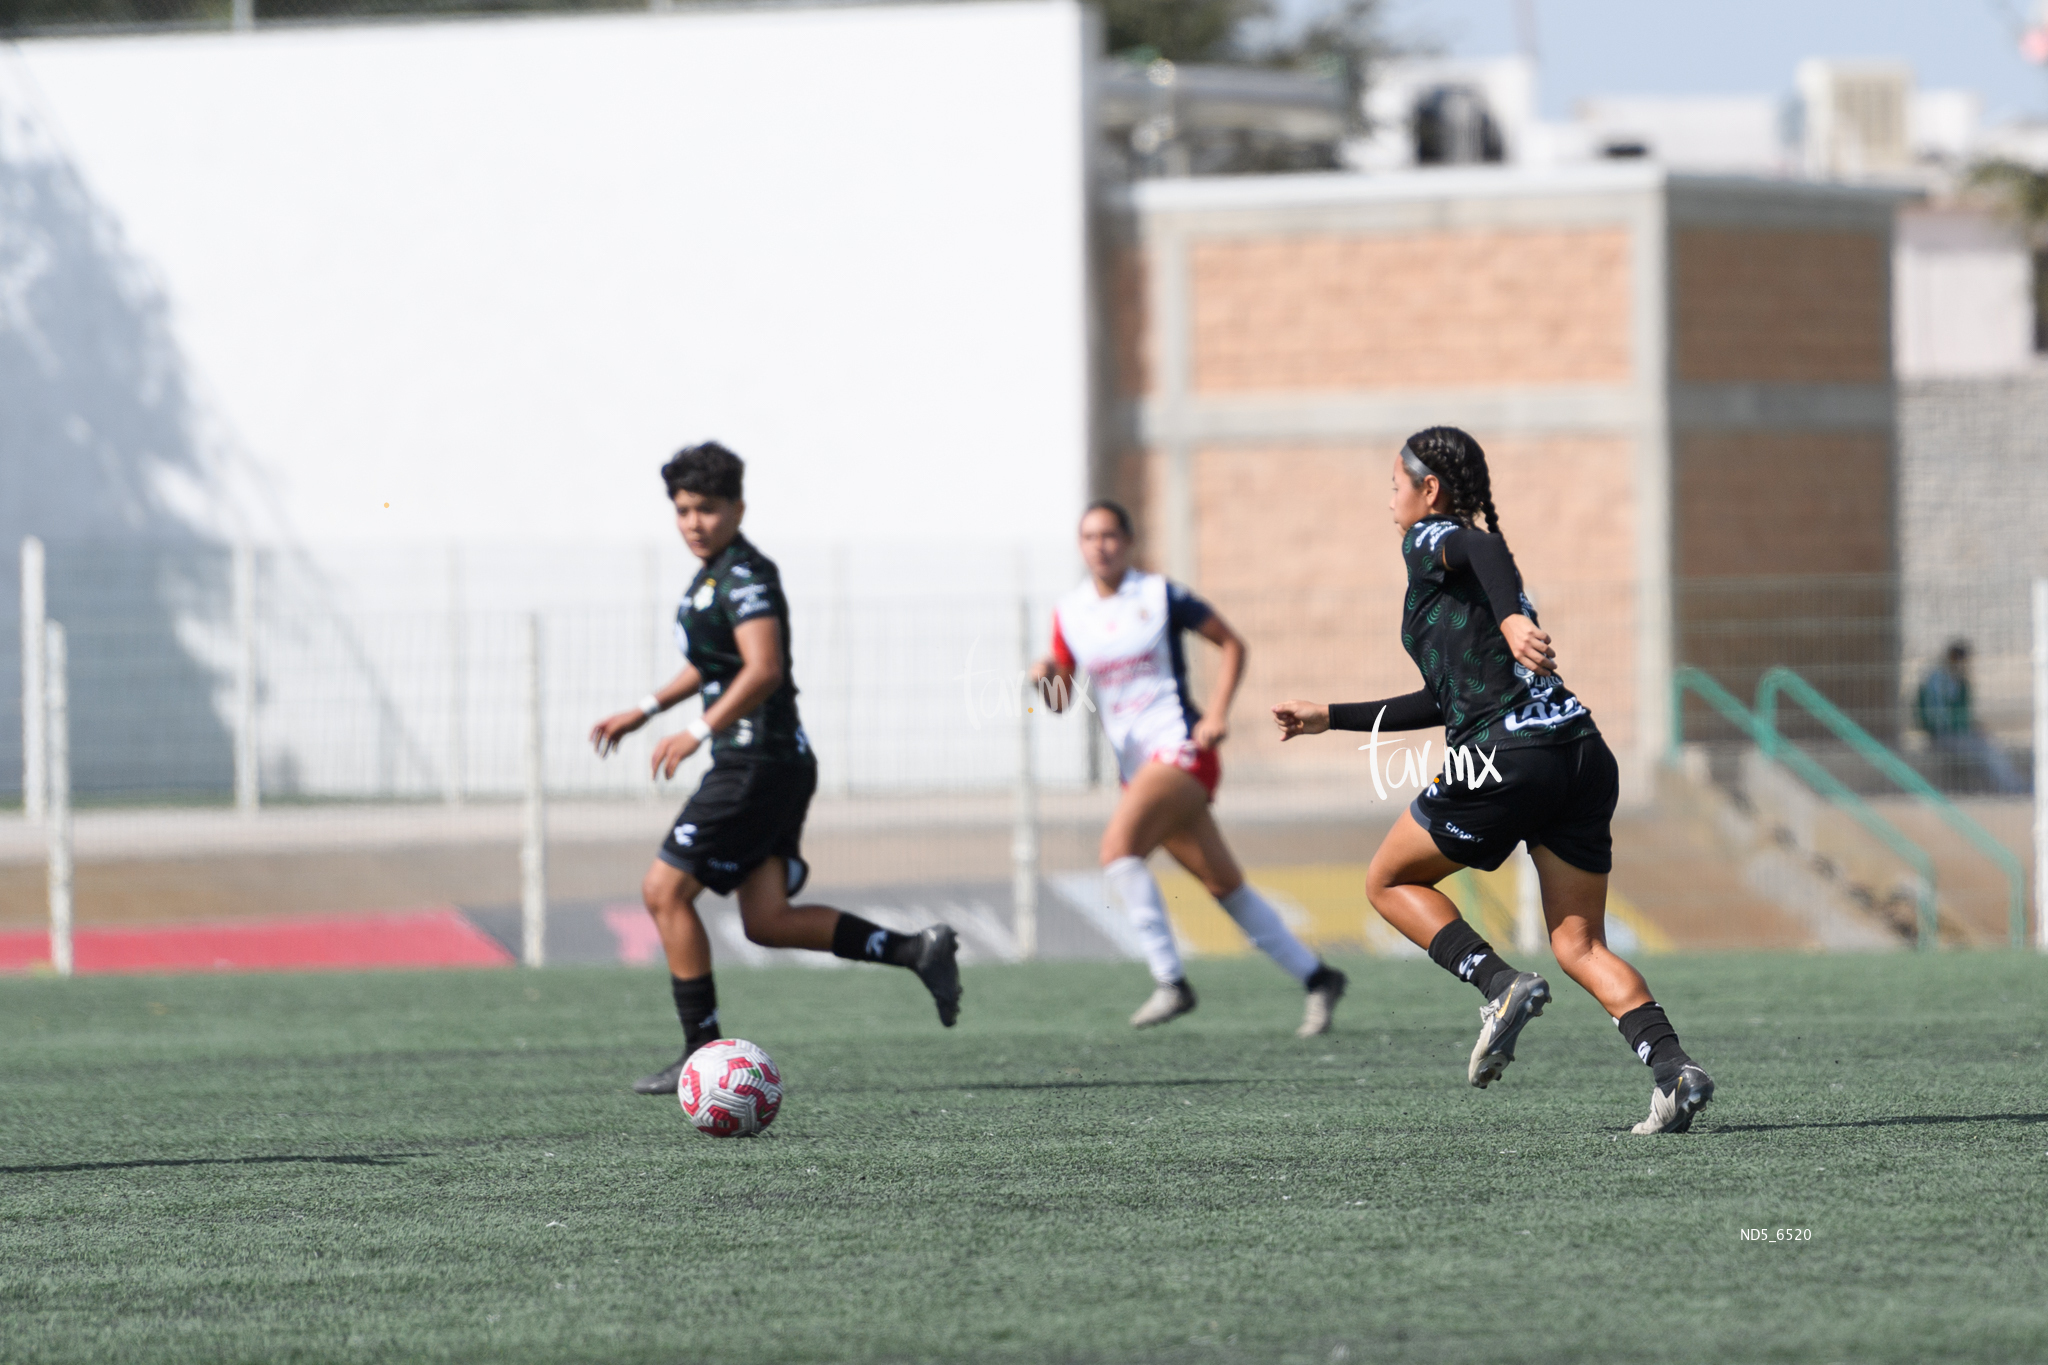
{"x": 606, "y": 734}
{"x": 1301, "y": 718}
{"x": 1214, "y": 726}
{"x": 1055, "y": 683}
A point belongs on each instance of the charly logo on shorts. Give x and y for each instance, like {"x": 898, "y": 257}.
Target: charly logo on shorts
{"x": 686, "y": 835}
{"x": 1457, "y": 833}
{"x": 722, "y": 865}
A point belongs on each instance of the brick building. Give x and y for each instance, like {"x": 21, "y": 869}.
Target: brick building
{"x": 1684, "y": 387}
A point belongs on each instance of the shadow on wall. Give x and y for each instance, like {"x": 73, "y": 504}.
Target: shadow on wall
{"x": 98, "y": 436}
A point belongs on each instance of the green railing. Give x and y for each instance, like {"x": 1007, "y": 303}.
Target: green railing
{"x": 1783, "y": 751}
{"x": 1899, "y": 771}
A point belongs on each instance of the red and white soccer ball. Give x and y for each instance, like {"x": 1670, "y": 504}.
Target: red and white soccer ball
{"x": 730, "y": 1088}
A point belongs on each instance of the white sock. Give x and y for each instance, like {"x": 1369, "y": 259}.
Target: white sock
{"x": 1140, "y": 895}
{"x": 1269, "y": 933}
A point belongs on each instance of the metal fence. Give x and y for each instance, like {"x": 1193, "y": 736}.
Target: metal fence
{"x": 412, "y": 688}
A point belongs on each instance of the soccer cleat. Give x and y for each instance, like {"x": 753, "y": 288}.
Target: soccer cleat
{"x": 1325, "y": 989}
{"x": 937, "y": 965}
{"x": 1165, "y": 1002}
{"x": 1671, "y": 1110}
{"x": 663, "y": 1082}
{"x": 1500, "y": 1023}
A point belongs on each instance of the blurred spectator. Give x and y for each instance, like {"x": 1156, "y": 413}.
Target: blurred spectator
{"x": 1943, "y": 710}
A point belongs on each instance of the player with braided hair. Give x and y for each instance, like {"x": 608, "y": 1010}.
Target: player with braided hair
{"x": 1524, "y": 763}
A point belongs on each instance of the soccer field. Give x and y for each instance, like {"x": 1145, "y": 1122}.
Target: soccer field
{"x": 449, "y": 1167}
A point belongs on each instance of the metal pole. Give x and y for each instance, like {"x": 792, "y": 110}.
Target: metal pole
{"x": 1528, "y": 903}
{"x": 2041, "y": 764}
{"x": 34, "y": 754}
{"x": 455, "y": 764}
{"x": 246, "y": 795}
{"x": 842, "y": 652}
{"x": 1024, "y": 838}
{"x": 533, "y": 852}
{"x": 58, "y": 699}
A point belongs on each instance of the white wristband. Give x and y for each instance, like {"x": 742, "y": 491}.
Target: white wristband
{"x": 699, "y": 729}
{"x": 650, "y": 705}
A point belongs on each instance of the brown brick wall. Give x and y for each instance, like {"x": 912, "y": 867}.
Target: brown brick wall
{"x": 1450, "y": 309}
{"x": 1781, "y": 307}
{"x": 1756, "y": 503}
{"x": 1784, "y": 547}
{"x": 1298, "y": 551}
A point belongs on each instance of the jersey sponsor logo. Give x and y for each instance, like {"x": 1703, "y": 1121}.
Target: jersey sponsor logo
{"x": 1429, "y": 536}
{"x": 1543, "y": 715}
{"x": 740, "y": 571}
{"x": 748, "y": 593}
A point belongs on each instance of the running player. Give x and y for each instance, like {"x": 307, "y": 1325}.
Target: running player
{"x": 740, "y": 831}
{"x": 1525, "y": 764}
{"x": 1123, "y": 629}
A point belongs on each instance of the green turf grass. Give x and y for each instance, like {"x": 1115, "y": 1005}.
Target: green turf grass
{"x": 448, "y": 1167}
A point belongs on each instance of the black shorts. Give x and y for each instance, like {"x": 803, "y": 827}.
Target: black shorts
{"x": 1559, "y": 796}
{"x": 744, "y": 812}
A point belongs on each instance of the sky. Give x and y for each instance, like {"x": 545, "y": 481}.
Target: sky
{"x": 1638, "y": 47}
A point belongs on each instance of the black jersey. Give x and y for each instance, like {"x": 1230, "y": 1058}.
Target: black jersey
{"x": 1485, "y": 697}
{"x": 739, "y": 584}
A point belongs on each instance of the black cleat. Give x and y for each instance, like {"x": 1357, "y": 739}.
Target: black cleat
{"x": 1500, "y": 1024}
{"x": 664, "y": 1082}
{"x": 937, "y": 965}
{"x": 1671, "y": 1111}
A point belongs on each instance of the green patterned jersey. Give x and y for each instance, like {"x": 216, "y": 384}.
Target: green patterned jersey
{"x": 1448, "y": 628}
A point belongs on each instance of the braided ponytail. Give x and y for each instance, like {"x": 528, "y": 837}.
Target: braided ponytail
{"x": 1456, "y": 459}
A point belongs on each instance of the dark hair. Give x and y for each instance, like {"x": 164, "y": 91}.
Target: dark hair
{"x": 1457, "y": 460}
{"x": 708, "y": 470}
{"x": 1115, "y": 509}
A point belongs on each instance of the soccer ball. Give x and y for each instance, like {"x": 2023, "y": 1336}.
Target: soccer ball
{"x": 730, "y": 1088}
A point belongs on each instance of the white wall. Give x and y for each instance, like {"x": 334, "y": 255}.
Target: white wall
{"x": 1961, "y": 300}
{"x": 493, "y": 272}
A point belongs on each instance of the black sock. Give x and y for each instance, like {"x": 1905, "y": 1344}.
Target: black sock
{"x": 1650, "y": 1036}
{"x": 1322, "y": 976}
{"x": 856, "y": 940}
{"x": 1458, "y": 949}
{"x": 697, "y": 1008}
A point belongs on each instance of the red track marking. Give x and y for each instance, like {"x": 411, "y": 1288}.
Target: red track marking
{"x": 411, "y": 938}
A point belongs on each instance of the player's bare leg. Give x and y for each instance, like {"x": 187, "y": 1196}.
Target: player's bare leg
{"x": 670, "y": 895}
{"x": 1199, "y": 847}
{"x": 1401, "y": 884}
{"x": 771, "y": 921}
{"x": 1575, "y": 908}
{"x": 1159, "y": 800}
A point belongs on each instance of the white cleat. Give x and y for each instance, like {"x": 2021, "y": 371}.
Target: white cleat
{"x": 1325, "y": 990}
{"x": 1166, "y": 1002}
{"x": 1671, "y": 1110}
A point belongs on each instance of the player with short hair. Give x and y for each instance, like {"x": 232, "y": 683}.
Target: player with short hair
{"x": 1525, "y": 764}
{"x": 740, "y": 831}
{"x": 1123, "y": 628}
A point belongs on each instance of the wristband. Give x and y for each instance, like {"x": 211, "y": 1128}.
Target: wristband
{"x": 698, "y": 728}
{"x": 650, "y": 705}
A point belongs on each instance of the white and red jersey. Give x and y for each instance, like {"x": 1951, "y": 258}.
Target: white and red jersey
{"x": 1129, "y": 646}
